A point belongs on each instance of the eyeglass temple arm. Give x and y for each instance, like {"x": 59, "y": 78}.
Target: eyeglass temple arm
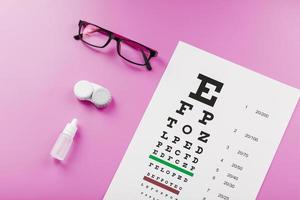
{"x": 147, "y": 63}
{"x": 77, "y": 37}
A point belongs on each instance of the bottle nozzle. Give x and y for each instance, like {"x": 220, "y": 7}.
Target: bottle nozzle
{"x": 71, "y": 128}
{"x": 74, "y": 122}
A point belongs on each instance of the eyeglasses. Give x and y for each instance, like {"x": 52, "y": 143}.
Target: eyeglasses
{"x": 129, "y": 50}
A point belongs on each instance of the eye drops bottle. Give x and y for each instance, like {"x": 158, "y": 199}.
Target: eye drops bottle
{"x": 64, "y": 141}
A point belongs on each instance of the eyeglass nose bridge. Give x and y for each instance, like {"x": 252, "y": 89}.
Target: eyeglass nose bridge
{"x": 114, "y": 37}
{"x": 118, "y": 41}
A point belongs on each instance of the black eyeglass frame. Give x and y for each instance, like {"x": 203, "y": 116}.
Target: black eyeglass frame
{"x": 118, "y": 38}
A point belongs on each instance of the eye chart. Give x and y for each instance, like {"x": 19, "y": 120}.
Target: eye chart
{"x": 210, "y": 132}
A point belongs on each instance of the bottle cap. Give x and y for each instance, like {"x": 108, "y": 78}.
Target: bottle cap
{"x": 71, "y": 128}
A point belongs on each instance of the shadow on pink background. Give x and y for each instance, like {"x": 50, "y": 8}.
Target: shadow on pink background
{"x": 40, "y": 62}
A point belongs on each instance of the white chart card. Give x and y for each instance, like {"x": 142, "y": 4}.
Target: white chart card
{"x": 210, "y": 132}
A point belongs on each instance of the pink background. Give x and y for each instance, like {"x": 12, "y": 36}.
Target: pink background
{"x": 40, "y": 62}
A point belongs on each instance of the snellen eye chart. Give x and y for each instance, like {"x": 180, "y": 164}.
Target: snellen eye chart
{"x": 210, "y": 132}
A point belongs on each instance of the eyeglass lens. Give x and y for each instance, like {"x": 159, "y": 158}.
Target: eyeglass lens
{"x": 93, "y": 35}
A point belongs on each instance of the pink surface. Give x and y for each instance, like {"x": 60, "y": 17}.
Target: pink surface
{"x": 40, "y": 62}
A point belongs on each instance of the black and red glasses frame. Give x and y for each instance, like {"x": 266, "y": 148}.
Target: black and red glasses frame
{"x": 129, "y": 50}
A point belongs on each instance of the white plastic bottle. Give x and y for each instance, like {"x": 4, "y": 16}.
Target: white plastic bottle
{"x": 64, "y": 141}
